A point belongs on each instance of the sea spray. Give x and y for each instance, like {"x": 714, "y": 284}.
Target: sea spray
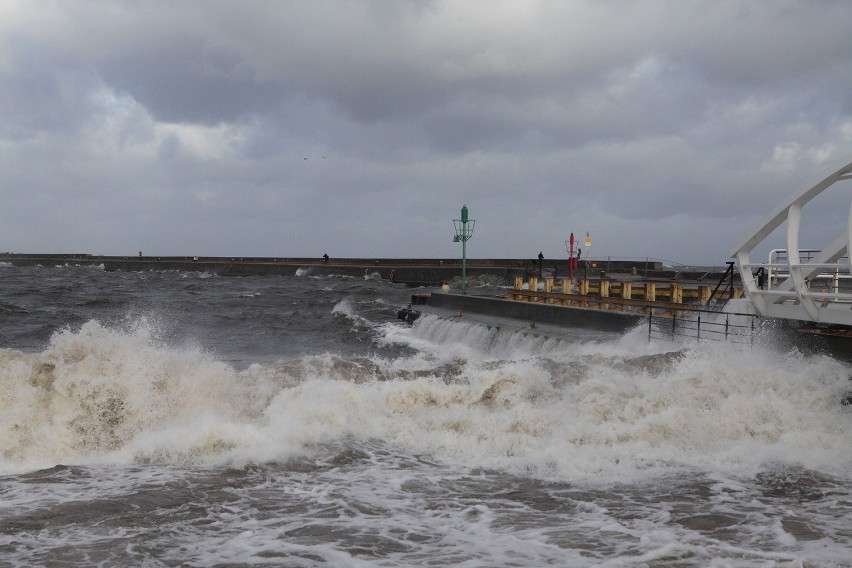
{"x": 93, "y": 391}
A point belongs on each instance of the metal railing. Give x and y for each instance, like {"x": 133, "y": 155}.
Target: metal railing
{"x": 777, "y": 268}
{"x": 686, "y": 326}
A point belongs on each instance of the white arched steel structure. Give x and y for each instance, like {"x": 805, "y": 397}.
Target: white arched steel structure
{"x": 800, "y": 293}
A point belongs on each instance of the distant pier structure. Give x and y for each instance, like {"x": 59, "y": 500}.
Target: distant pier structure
{"x": 409, "y": 271}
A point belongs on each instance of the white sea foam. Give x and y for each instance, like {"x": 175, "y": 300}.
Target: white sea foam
{"x": 547, "y": 408}
{"x": 346, "y": 309}
{"x": 200, "y": 275}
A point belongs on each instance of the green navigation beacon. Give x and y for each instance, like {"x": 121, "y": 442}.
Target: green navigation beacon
{"x": 464, "y": 231}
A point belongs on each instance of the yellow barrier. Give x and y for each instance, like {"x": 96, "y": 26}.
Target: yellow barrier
{"x": 672, "y": 293}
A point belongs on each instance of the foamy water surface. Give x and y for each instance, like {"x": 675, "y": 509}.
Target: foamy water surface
{"x": 168, "y": 419}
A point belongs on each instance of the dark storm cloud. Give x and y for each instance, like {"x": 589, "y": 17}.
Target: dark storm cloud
{"x": 360, "y": 127}
{"x": 39, "y": 92}
{"x": 182, "y": 81}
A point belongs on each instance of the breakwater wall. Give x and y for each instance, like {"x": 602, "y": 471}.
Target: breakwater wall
{"x": 534, "y": 312}
{"x": 423, "y": 272}
{"x": 411, "y": 271}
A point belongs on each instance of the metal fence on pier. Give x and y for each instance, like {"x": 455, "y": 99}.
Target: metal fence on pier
{"x": 687, "y": 326}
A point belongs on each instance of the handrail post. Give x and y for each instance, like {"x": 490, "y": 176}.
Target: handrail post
{"x": 650, "y": 317}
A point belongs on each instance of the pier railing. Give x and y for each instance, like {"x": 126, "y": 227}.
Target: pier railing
{"x": 687, "y": 326}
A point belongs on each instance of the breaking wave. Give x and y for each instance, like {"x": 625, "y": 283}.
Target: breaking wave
{"x": 508, "y": 400}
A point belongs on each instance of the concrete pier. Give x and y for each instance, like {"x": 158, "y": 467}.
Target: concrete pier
{"x": 604, "y": 304}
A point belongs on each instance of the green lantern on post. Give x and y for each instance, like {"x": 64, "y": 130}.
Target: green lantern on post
{"x": 464, "y": 231}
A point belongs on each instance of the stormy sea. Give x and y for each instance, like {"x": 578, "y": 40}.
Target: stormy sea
{"x": 188, "y": 419}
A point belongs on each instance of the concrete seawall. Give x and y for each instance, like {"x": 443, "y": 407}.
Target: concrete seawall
{"x": 540, "y": 313}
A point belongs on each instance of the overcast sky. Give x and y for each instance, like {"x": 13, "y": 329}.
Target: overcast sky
{"x": 667, "y": 129}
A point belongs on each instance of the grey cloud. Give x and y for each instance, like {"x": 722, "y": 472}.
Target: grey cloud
{"x": 186, "y": 126}
{"x": 39, "y": 93}
{"x": 183, "y": 82}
